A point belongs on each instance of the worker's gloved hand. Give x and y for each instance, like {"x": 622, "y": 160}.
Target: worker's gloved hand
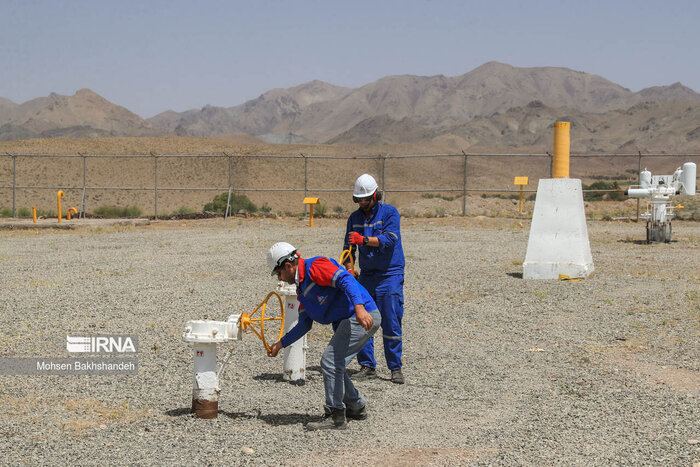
{"x": 356, "y": 239}
{"x": 354, "y": 273}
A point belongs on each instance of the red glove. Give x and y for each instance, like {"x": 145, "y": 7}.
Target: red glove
{"x": 356, "y": 239}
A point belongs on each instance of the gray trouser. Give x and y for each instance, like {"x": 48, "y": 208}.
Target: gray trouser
{"x": 348, "y": 339}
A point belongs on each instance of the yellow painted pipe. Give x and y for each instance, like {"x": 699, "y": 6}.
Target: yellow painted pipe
{"x": 34, "y": 213}
{"x": 58, "y": 199}
{"x": 71, "y": 210}
{"x": 311, "y": 215}
{"x": 562, "y": 145}
{"x": 521, "y": 199}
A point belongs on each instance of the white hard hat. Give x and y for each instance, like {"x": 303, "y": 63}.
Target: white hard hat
{"x": 278, "y": 254}
{"x": 365, "y": 186}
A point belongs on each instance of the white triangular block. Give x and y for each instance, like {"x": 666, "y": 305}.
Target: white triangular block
{"x": 558, "y": 243}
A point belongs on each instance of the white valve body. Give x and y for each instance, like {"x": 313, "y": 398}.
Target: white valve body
{"x": 205, "y": 335}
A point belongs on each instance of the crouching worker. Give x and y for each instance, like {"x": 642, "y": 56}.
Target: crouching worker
{"x": 328, "y": 294}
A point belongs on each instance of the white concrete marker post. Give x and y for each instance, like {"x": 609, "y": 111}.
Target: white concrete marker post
{"x": 558, "y": 242}
{"x": 294, "y": 368}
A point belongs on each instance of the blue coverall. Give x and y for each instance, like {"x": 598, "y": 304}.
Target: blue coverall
{"x": 381, "y": 273}
{"x": 328, "y": 294}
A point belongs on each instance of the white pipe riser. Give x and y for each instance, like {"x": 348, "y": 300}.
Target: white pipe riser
{"x": 294, "y": 364}
{"x": 205, "y": 385}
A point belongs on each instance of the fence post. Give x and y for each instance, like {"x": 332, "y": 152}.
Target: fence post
{"x": 306, "y": 175}
{"x": 155, "y": 188}
{"x": 14, "y": 186}
{"x": 551, "y": 164}
{"x": 228, "y": 200}
{"x": 464, "y": 196}
{"x": 384, "y": 195}
{"x": 81, "y": 215}
{"x": 639, "y": 177}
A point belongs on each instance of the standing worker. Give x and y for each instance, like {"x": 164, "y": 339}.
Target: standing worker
{"x": 328, "y": 294}
{"x": 374, "y": 229}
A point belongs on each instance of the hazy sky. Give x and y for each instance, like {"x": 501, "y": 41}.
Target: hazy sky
{"x": 151, "y": 56}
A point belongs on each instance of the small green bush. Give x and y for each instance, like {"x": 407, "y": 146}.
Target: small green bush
{"x": 238, "y": 203}
{"x": 438, "y": 195}
{"x": 182, "y": 210}
{"x": 5, "y": 212}
{"x": 25, "y": 212}
{"x": 265, "y": 208}
{"x": 320, "y": 210}
{"x": 601, "y": 185}
{"x": 114, "y": 212}
{"x": 338, "y": 209}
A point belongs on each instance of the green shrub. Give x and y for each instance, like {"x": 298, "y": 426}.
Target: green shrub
{"x": 338, "y": 209}
{"x": 438, "y": 195}
{"x": 182, "y": 210}
{"x": 238, "y": 203}
{"x": 5, "y": 212}
{"x": 320, "y": 210}
{"x": 113, "y": 212}
{"x": 601, "y": 185}
{"x": 25, "y": 212}
{"x": 265, "y": 208}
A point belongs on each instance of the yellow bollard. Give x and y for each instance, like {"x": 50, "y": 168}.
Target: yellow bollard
{"x": 71, "y": 210}
{"x": 522, "y": 181}
{"x": 34, "y": 213}
{"x": 58, "y": 199}
{"x": 562, "y": 145}
{"x": 311, "y": 202}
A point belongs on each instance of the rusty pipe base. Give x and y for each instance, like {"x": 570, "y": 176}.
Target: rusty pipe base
{"x": 202, "y": 408}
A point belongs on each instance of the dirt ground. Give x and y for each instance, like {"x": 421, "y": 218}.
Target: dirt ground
{"x": 500, "y": 370}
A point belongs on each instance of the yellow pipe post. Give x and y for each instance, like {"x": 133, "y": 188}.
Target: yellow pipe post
{"x": 562, "y": 145}
{"x": 71, "y": 210}
{"x": 311, "y": 202}
{"x": 58, "y": 199}
{"x": 34, "y": 213}
{"x": 521, "y": 200}
{"x": 521, "y": 181}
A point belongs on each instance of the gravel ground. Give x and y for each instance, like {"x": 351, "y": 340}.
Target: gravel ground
{"x": 499, "y": 370}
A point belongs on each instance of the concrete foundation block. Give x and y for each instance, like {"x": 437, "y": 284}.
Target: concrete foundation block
{"x": 558, "y": 243}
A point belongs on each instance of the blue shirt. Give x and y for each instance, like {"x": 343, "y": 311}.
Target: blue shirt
{"x": 327, "y": 293}
{"x": 385, "y": 224}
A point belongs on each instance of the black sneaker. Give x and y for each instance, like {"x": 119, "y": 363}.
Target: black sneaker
{"x": 365, "y": 372}
{"x": 357, "y": 414}
{"x": 397, "y": 377}
{"x": 333, "y": 419}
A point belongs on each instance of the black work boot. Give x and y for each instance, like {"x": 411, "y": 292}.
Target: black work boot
{"x": 356, "y": 414}
{"x": 333, "y": 419}
{"x": 366, "y": 372}
{"x": 397, "y": 377}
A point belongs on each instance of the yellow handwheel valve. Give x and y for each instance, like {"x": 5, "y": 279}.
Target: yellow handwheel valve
{"x": 257, "y": 325}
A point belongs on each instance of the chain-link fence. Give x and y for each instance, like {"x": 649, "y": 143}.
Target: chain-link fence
{"x": 161, "y": 183}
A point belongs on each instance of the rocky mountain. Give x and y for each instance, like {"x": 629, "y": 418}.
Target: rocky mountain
{"x": 84, "y": 114}
{"x": 272, "y": 115}
{"x": 495, "y": 104}
{"x": 647, "y": 127}
{"x": 320, "y": 112}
